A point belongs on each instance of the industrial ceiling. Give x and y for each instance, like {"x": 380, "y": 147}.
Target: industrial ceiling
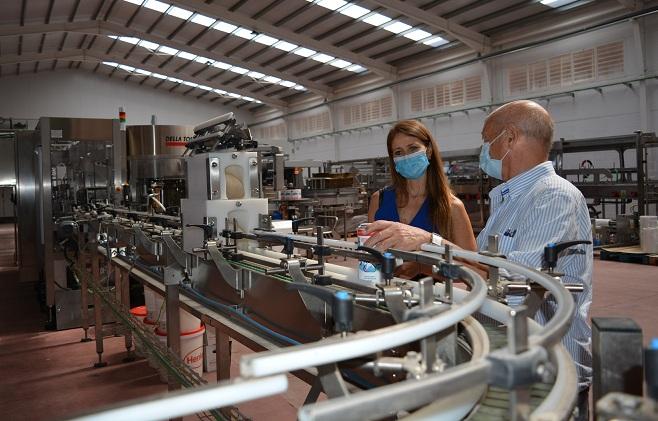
{"x": 261, "y": 55}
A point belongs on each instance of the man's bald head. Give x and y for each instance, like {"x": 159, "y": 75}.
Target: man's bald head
{"x": 528, "y": 117}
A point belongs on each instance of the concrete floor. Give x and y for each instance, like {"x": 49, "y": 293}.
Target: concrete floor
{"x": 49, "y": 375}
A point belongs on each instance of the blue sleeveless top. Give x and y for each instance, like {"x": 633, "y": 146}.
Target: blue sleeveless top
{"x": 388, "y": 211}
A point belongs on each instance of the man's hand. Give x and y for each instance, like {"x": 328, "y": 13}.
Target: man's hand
{"x": 387, "y": 234}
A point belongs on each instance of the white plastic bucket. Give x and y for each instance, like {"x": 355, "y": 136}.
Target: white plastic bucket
{"x": 191, "y": 347}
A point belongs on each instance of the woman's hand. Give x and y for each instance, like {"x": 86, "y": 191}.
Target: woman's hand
{"x": 387, "y": 234}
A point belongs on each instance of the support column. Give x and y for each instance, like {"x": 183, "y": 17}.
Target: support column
{"x": 98, "y": 309}
{"x": 223, "y": 355}
{"x": 84, "y": 295}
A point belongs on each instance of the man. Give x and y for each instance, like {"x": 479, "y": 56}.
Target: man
{"x": 531, "y": 208}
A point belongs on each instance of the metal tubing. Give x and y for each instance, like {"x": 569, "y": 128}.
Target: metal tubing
{"x": 364, "y": 343}
{"x": 178, "y": 404}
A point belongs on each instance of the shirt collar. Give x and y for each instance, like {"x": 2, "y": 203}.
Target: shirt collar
{"x": 520, "y": 183}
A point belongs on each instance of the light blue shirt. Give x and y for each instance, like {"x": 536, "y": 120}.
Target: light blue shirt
{"x": 531, "y": 210}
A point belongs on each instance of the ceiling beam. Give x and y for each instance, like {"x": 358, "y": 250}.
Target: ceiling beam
{"x": 86, "y": 55}
{"x": 477, "y": 41}
{"x": 222, "y": 12}
{"x": 99, "y": 27}
{"x": 633, "y": 5}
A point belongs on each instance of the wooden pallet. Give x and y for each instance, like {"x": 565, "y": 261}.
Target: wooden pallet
{"x": 629, "y": 255}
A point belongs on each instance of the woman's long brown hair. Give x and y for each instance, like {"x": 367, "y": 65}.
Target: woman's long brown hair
{"x": 437, "y": 187}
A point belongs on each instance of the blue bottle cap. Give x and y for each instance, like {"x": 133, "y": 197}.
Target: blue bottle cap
{"x": 653, "y": 344}
{"x": 388, "y": 255}
{"x": 550, "y": 245}
{"x": 342, "y": 295}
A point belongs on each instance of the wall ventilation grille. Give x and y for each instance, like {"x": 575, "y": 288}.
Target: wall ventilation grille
{"x": 448, "y": 94}
{"x": 368, "y": 112}
{"x": 311, "y": 125}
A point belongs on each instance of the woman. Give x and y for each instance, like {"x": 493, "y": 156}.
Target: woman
{"x": 420, "y": 197}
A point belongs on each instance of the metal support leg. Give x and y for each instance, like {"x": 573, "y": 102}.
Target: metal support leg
{"x": 84, "y": 295}
{"x": 427, "y": 345}
{"x": 98, "y": 310}
{"x": 517, "y": 338}
{"x": 173, "y": 326}
{"x": 223, "y": 355}
{"x": 123, "y": 286}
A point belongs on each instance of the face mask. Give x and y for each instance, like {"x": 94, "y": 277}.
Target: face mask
{"x": 412, "y": 166}
{"x": 493, "y": 167}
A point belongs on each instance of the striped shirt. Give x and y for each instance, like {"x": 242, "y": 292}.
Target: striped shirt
{"x": 531, "y": 210}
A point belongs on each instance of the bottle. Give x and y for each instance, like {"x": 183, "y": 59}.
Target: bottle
{"x": 369, "y": 273}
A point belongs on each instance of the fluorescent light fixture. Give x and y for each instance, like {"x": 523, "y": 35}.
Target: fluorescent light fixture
{"x": 167, "y": 50}
{"x": 397, "y": 27}
{"x": 304, "y": 52}
{"x": 417, "y": 35}
{"x": 137, "y": 2}
{"x": 175, "y": 80}
{"x": 203, "y": 60}
{"x": 272, "y": 79}
{"x": 188, "y": 83}
{"x": 556, "y": 3}
{"x": 244, "y": 33}
{"x": 238, "y": 70}
{"x": 177, "y": 12}
{"x": 221, "y": 65}
{"x": 156, "y": 5}
{"x": 265, "y": 40}
{"x": 185, "y": 55}
{"x": 435, "y": 41}
{"x": 341, "y": 64}
{"x": 143, "y": 72}
{"x": 255, "y": 75}
{"x": 110, "y": 63}
{"x": 158, "y": 75}
{"x": 285, "y": 46}
{"x": 203, "y": 20}
{"x": 377, "y": 19}
{"x": 205, "y": 88}
{"x": 287, "y": 83}
{"x": 126, "y": 68}
{"x": 322, "y": 58}
{"x": 149, "y": 45}
{"x": 356, "y": 68}
{"x": 354, "y": 11}
{"x": 331, "y": 4}
{"x": 224, "y": 26}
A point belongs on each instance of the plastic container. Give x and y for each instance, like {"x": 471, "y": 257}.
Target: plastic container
{"x": 149, "y": 302}
{"x": 369, "y": 273}
{"x": 650, "y": 240}
{"x": 191, "y": 346}
{"x": 647, "y": 222}
{"x": 139, "y": 313}
{"x": 159, "y": 314}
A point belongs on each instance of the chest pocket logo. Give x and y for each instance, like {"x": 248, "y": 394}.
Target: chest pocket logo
{"x": 510, "y": 233}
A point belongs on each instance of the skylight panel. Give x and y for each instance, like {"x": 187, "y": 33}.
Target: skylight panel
{"x": 156, "y": 5}
{"x": 377, "y": 19}
{"x": 287, "y": 83}
{"x": 158, "y": 75}
{"x": 221, "y": 65}
{"x": 238, "y": 70}
{"x": 179, "y": 13}
{"x": 129, "y": 40}
{"x": 299, "y": 88}
{"x": 167, "y": 50}
{"x": 248, "y": 98}
{"x": 304, "y": 52}
{"x": 203, "y": 60}
{"x": 435, "y": 41}
{"x": 143, "y": 72}
{"x": 322, "y": 58}
{"x": 356, "y": 68}
{"x": 265, "y": 39}
{"x": 331, "y": 4}
{"x": 203, "y": 20}
{"x": 220, "y": 91}
{"x": 126, "y": 68}
{"x": 149, "y": 45}
{"x": 397, "y": 27}
{"x": 244, "y": 33}
{"x": 224, "y": 26}
{"x": 285, "y": 46}
{"x": 341, "y": 64}
{"x": 188, "y": 83}
{"x": 110, "y": 63}
{"x": 175, "y": 80}
{"x": 354, "y": 11}
{"x": 255, "y": 75}
{"x": 417, "y": 35}
{"x": 137, "y": 2}
{"x": 232, "y": 95}
{"x": 187, "y": 56}
{"x": 272, "y": 79}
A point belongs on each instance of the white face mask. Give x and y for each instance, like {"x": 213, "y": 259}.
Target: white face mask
{"x": 492, "y": 167}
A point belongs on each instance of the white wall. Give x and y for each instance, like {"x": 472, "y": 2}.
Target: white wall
{"x": 80, "y": 93}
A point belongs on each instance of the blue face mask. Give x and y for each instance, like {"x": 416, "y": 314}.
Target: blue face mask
{"x": 412, "y": 166}
{"x": 493, "y": 167}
